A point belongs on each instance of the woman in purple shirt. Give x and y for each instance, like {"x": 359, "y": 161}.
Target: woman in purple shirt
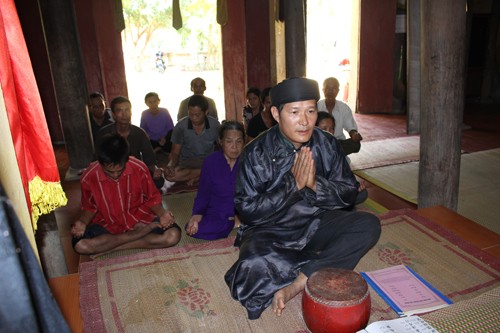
{"x": 213, "y": 212}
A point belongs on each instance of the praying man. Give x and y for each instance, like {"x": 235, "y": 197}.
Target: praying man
{"x": 294, "y": 191}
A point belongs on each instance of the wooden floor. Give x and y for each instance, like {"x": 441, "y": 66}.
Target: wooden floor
{"x": 483, "y": 134}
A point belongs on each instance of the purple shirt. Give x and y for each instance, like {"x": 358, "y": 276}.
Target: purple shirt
{"x": 215, "y": 197}
{"x": 156, "y": 125}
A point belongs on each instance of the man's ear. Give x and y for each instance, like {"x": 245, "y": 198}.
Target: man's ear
{"x": 275, "y": 113}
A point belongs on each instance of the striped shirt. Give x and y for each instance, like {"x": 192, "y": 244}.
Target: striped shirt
{"x": 119, "y": 204}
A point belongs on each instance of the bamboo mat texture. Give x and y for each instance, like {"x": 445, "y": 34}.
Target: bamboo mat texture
{"x": 479, "y": 187}
{"x": 181, "y": 289}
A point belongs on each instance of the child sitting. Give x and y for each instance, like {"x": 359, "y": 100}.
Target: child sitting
{"x": 157, "y": 123}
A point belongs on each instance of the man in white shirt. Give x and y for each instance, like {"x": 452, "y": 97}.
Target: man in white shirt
{"x": 198, "y": 87}
{"x": 342, "y": 114}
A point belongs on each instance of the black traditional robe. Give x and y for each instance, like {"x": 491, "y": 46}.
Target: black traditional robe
{"x": 277, "y": 219}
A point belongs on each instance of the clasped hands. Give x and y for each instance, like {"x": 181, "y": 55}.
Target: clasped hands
{"x": 167, "y": 219}
{"x": 303, "y": 169}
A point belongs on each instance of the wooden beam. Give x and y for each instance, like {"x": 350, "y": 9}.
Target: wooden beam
{"x": 442, "y": 102}
{"x": 234, "y": 60}
{"x": 413, "y": 66}
{"x": 295, "y": 38}
{"x": 69, "y": 79}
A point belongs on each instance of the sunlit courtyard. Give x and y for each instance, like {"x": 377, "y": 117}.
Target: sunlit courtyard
{"x": 328, "y": 54}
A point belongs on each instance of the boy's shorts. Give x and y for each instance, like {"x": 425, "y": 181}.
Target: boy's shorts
{"x": 93, "y": 230}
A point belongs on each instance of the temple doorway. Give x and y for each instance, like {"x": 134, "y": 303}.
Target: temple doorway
{"x": 162, "y": 59}
{"x": 332, "y": 44}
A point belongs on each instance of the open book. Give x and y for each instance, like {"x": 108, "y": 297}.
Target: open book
{"x": 412, "y": 324}
{"x": 405, "y": 291}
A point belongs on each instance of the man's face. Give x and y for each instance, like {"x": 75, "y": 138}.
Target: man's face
{"x": 97, "y": 107}
{"x": 331, "y": 89}
{"x": 122, "y": 113}
{"x": 198, "y": 87}
{"x": 196, "y": 115}
{"x": 113, "y": 171}
{"x": 296, "y": 121}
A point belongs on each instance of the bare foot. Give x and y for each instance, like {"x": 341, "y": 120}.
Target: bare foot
{"x": 282, "y": 296}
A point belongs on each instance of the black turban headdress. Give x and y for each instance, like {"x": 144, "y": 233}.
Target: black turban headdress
{"x": 293, "y": 90}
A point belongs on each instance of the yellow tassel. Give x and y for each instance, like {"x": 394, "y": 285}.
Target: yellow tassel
{"x": 45, "y": 197}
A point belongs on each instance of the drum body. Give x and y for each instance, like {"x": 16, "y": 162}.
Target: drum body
{"x": 336, "y": 301}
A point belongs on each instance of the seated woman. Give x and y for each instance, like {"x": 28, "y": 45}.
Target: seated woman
{"x": 213, "y": 212}
{"x": 326, "y": 122}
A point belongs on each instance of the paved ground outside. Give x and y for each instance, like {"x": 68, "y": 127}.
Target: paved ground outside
{"x": 172, "y": 86}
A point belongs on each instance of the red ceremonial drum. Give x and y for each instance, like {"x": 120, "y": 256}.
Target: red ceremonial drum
{"x": 336, "y": 301}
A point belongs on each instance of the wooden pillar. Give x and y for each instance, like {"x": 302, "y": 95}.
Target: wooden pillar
{"x": 234, "y": 60}
{"x": 413, "y": 63}
{"x": 295, "y": 37}
{"x": 376, "y": 40}
{"x": 69, "y": 80}
{"x": 258, "y": 43}
{"x": 442, "y": 102}
{"x": 277, "y": 42}
{"x": 101, "y": 47}
{"x": 490, "y": 67}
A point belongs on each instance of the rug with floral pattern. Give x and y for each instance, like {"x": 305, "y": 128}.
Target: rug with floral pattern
{"x": 182, "y": 289}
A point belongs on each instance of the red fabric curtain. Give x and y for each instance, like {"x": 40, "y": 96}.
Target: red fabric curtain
{"x": 32, "y": 144}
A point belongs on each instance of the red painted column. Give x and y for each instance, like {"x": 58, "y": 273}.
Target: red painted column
{"x": 101, "y": 47}
{"x": 234, "y": 59}
{"x": 377, "y": 29}
{"x": 258, "y": 43}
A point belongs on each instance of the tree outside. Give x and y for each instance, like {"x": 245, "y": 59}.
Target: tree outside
{"x": 192, "y": 51}
{"x": 195, "y": 49}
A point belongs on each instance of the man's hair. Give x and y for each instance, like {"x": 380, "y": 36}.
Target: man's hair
{"x": 324, "y": 115}
{"x": 328, "y": 79}
{"x": 253, "y": 90}
{"x": 96, "y": 94}
{"x": 119, "y": 100}
{"x": 228, "y": 125}
{"x": 197, "y": 79}
{"x": 113, "y": 149}
{"x": 199, "y": 101}
{"x": 151, "y": 94}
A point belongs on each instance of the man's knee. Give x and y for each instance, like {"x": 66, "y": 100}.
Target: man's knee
{"x": 371, "y": 227}
{"x": 83, "y": 247}
{"x": 172, "y": 236}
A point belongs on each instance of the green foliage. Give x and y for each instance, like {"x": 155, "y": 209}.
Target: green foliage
{"x": 149, "y": 27}
{"x": 144, "y": 17}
